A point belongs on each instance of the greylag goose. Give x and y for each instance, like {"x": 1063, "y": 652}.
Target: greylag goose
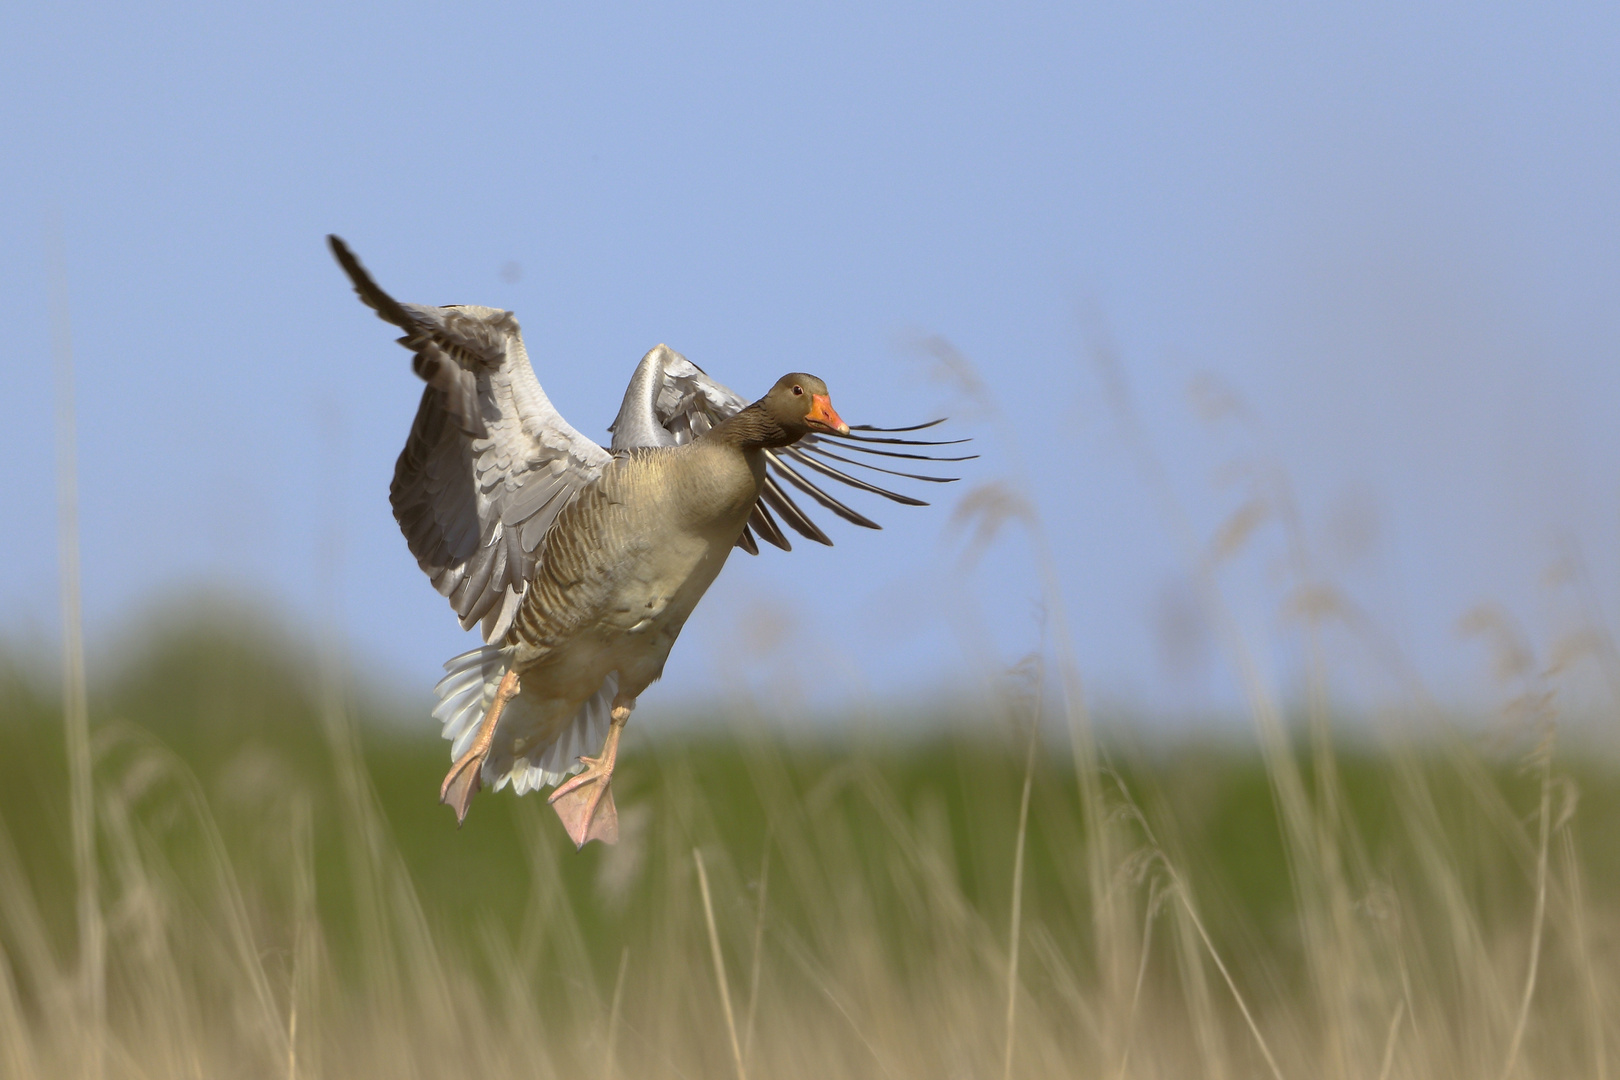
{"x": 582, "y": 563}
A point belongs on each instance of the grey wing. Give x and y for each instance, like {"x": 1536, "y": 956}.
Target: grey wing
{"x": 671, "y": 401}
{"x": 489, "y": 462}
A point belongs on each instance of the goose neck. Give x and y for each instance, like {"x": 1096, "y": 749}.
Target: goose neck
{"x": 753, "y": 428}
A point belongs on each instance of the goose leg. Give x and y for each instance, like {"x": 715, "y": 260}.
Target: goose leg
{"x": 462, "y": 782}
{"x": 585, "y": 802}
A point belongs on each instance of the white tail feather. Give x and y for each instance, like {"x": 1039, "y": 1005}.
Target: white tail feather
{"x": 465, "y": 694}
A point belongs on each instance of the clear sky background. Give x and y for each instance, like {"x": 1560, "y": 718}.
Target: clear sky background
{"x": 1391, "y": 231}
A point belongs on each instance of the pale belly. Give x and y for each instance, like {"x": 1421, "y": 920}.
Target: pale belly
{"x": 647, "y": 591}
{"x": 634, "y": 638}
{"x": 655, "y": 593}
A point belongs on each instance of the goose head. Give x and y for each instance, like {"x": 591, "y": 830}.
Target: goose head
{"x": 796, "y": 406}
{"x": 800, "y": 405}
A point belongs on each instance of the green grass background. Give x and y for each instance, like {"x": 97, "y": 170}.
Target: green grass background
{"x": 240, "y": 714}
{"x": 849, "y": 864}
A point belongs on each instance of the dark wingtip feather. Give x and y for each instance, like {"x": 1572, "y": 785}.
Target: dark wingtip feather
{"x": 370, "y": 293}
{"x": 786, "y": 472}
{"x": 821, "y": 451}
{"x": 857, "y": 448}
{"x": 896, "y": 442}
{"x": 894, "y": 430}
{"x": 797, "y": 519}
{"x": 809, "y": 462}
{"x": 767, "y": 528}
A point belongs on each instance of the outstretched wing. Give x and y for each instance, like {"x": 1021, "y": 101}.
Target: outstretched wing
{"x": 489, "y": 462}
{"x": 672, "y": 401}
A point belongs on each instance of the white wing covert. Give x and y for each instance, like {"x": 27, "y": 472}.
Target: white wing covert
{"x": 489, "y": 463}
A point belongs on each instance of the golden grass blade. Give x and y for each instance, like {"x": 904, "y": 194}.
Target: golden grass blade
{"x": 304, "y": 925}
{"x": 1538, "y": 921}
{"x": 1581, "y": 946}
{"x": 292, "y": 1041}
{"x": 719, "y": 965}
{"x": 1220, "y": 965}
{"x": 613, "y": 1014}
{"x": 759, "y": 941}
{"x": 1389, "y": 1040}
{"x": 1018, "y": 890}
{"x": 1154, "y": 899}
{"x": 999, "y": 503}
{"x": 75, "y": 698}
{"x": 16, "y": 1043}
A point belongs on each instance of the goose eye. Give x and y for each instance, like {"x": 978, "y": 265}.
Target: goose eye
{"x": 798, "y": 390}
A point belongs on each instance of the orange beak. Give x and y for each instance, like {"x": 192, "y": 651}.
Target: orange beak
{"x": 821, "y": 415}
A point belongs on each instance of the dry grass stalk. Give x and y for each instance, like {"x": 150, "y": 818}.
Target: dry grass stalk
{"x": 613, "y": 1015}
{"x": 719, "y": 965}
{"x": 75, "y": 696}
{"x": 1538, "y": 920}
{"x": 1014, "y": 936}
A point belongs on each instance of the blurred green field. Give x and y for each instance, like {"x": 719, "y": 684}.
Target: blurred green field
{"x": 263, "y": 845}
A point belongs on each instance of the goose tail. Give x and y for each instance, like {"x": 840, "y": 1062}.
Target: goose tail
{"x": 465, "y": 694}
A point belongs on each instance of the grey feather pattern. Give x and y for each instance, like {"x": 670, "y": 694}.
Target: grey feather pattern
{"x": 489, "y": 462}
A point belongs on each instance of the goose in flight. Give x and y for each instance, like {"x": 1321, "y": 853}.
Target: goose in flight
{"x": 581, "y": 563}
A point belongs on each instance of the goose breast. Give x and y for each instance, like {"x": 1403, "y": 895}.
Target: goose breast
{"x": 631, "y": 558}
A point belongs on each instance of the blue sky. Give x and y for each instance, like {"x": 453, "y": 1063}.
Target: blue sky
{"x": 1390, "y": 230}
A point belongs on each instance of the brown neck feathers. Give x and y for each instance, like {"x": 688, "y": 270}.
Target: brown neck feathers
{"x": 753, "y": 428}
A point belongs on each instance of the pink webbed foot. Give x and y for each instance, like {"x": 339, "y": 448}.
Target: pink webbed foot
{"x": 462, "y": 782}
{"x": 584, "y": 803}
{"x": 464, "y": 779}
{"x": 587, "y": 811}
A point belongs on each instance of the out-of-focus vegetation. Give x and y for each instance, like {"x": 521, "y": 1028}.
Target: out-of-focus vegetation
{"x": 282, "y": 896}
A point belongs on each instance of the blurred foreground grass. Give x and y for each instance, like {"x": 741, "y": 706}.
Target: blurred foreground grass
{"x": 283, "y": 897}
